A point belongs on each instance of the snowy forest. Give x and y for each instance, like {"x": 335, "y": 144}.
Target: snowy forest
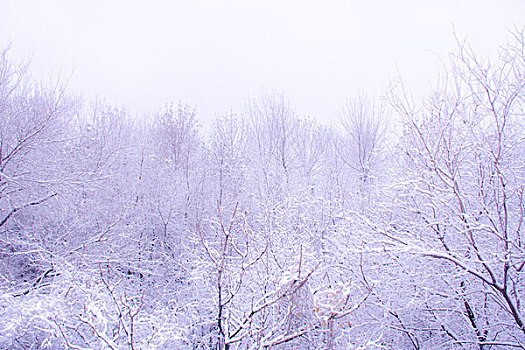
{"x": 400, "y": 228}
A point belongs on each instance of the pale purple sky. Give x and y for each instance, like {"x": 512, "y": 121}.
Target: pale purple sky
{"x": 214, "y": 54}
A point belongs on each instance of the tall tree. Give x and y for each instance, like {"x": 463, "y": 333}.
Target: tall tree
{"x": 462, "y": 202}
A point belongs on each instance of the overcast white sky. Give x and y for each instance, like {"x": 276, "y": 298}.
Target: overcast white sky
{"x": 214, "y": 54}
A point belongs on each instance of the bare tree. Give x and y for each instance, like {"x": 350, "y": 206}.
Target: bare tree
{"x": 463, "y": 200}
{"x": 272, "y": 120}
{"x": 364, "y": 125}
{"x": 229, "y": 148}
{"x": 34, "y": 134}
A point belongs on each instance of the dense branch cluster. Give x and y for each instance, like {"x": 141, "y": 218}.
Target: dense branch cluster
{"x": 401, "y": 229}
